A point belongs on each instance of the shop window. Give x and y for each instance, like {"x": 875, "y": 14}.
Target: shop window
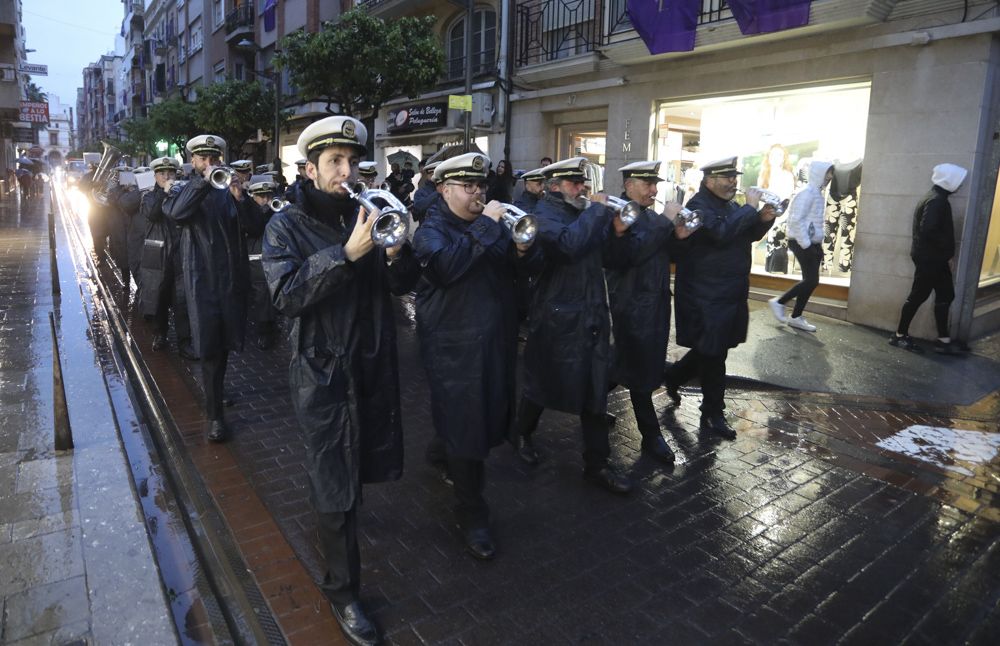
{"x": 990, "y": 272}
{"x": 775, "y": 135}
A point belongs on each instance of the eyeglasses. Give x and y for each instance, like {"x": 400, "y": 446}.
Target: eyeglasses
{"x": 470, "y": 187}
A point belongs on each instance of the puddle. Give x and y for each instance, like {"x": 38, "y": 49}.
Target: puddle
{"x": 949, "y": 448}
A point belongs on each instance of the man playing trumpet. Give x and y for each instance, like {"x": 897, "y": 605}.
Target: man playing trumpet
{"x": 216, "y": 271}
{"x": 326, "y": 274}
{"x": 467, "y": 326}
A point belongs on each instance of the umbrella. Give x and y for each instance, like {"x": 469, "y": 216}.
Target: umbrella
{"x": 452, "y": 150}
{"x": 401, "y": 157}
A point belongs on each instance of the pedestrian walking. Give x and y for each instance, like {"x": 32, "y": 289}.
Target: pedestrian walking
{"x": 161, "y": 267}
{"x": 567, "y": 355}
{"x": 325, "y": 274}
{"x": 467, "y": 326}
{"x": 932, "y": 250}
{"x": 216, "y": 272}
{"x": 712, "y": 286}
{"x": 806, "y": 215}
{"x": 639, "y": 293}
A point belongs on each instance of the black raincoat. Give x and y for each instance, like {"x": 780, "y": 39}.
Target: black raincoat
{"x": 527, "y": 202}
{"x": 713, "y": 275}
{"x": 639, "y": 292}
{"x": 160, "y": 250}
{"x": 467, "y": 326}
{"x": 254, "y": 218}
{"x": 214, "y": 259}
{"x": 343, "y": 373}
{"x": 567, "y": 356}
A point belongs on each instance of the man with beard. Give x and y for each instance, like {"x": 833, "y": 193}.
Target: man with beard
{"x": 326, "y": 275}
{"x": 567, "y": 354}
{"x": 639, "y": 291}
{"x": 712, "y": 287}
{"x": 160, "y": 267}
{"x": 368, "y": 172}
{"x": 216, "y": 271}
{"x": 467, "y": 325}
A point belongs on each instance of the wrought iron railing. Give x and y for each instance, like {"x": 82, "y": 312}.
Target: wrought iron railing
{"x": 547, "y": 30}
{"x": 483, "y": 63}
{"x": 241, "y": 16}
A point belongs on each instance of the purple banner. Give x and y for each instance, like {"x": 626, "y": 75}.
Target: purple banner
{"x": 765, "y": 16}
{"x": 665, "y": 25}
{"x": 270, "y": 11}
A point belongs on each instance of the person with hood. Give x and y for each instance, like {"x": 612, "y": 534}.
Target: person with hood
{"x": 932, "y": 249}
{"x": 712, "y": 287}
{"x": 806, "y": 215}
{"x": 568, "y": 351}
{"x": 467, "y": 326}
{"x": 639, "y": 293}
{"x": 161, "y": 267}
{"x": 216, "y": 270}
{"x": 326, "y": 275}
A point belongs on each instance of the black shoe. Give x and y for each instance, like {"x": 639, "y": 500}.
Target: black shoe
{"x": 227, "y": 402}
{"x": 526, "y": 451}
{"x": 946, "y": 348}
{"x": 717, "y": 424}
{"x": 185, "y": 351}
{"x": 674, "y": 392}
{"x": 355, "y": 624}
{"x": 905, "y": 342}
{"x": 656, "y": 447}
{"x": 216, "y": 430}
{"x": 608, "y": 478}
{"x": 479, "y": 543}
{"x": 263, "y": 341}
{"x": 159, "y": 342}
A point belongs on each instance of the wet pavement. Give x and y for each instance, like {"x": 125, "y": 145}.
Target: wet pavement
{"x": 76, "y": 564}
{"x": 844, "y": 513}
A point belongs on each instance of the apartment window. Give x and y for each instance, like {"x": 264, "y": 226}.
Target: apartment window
{"x": 219, "y": 72}
{"x": 53, "y": 138}
{"x": 218, "y": 15}
{"x": 196, "y": 37}
{"x": 484, "y": 40}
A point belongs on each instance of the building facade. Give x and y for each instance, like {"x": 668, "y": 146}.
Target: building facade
{"x": 888, "y": 89}
{"x": 11, "y": 81}
{"x": 58, "y": 138}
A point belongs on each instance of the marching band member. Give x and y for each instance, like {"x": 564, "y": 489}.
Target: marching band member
{"x": 567, "y": 354}
{"x": 639, "y": 292}
{"x": 216, "y": 271}
{"x": 467, "y": 326}
{"x": 326, "y": 275}
{"x": 368, "y": 172}
{"x": 254, "y": 219}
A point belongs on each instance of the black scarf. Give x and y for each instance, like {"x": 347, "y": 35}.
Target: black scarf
{"x": 331, "y": 210}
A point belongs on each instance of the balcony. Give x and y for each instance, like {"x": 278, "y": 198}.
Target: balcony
{"x": 239, "y": 22}
{"x": 388, "y": 9}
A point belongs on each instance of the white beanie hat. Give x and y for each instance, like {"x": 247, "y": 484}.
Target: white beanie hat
{"x": 948, "y": 176}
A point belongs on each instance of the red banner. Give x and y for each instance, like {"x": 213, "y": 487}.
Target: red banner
{"x": 35, "y": 111}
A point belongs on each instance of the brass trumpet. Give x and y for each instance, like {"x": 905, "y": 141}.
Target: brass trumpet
{"x": 770, "y": 198}
{"x": 523, "y": 226}
{"x": 392, "y": 224}
{"x": 221, "y": 177}
{"x": 628, "y": 211}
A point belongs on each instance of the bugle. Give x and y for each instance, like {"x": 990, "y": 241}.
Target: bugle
{"x": 221, "y": 177}
{"x": 278, "y": 204}
{"x": 770, "y": 198}
{"x": 628, "y": 210}
{"x": 392, "y": 224}
{"x": 523, "y": 226}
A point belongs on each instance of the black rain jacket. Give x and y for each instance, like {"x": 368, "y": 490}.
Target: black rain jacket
{"x": 933, "y": 230}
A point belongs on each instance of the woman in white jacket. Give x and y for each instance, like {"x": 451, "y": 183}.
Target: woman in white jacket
{"x": 805, "y": 233}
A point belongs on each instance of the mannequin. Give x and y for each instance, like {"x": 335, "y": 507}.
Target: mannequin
{"x": 842, "y": 210}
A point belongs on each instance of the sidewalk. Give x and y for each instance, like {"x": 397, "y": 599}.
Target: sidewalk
{"x": 76, "y": 563}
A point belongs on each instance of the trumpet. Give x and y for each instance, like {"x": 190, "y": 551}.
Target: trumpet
{"x": 523, "y": 226}
{"x": 770, "y": 198}
{"x": 278, "y": 204}
{"x": 392, "y": 224}
{"x": 628, "y": 211}
{"x": 691, "y": 219}
{"x": 221, "y": 177}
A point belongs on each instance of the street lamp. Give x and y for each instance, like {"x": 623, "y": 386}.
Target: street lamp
{"x": 248, "y": 45}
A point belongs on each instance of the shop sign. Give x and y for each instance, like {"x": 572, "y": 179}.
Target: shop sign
{"x": 33, "y": 68}
{"x": 424, "y": 116}
{"x": 26, "y": 135}
{"x": 35, "y": 111}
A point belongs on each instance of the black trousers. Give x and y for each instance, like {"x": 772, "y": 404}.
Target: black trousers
{"x": 338, "y": 539}
{"x": 172, "y": 298}
{"x": 596, "y": 446}
{"x": 809, "y": 262}
{"x": 645, "y": 413}
{"x": 469, "y": 477}
{"x": 213, "y": 375}
{"x": 710, "y": 370}
{"x": 928, "y": 277}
